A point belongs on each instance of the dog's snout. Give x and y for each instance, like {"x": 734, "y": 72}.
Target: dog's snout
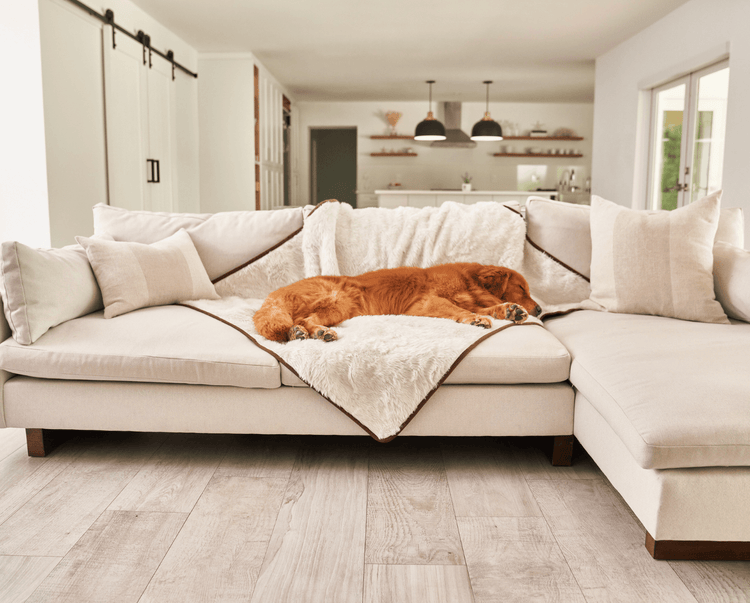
{"x": 537, "y": 310}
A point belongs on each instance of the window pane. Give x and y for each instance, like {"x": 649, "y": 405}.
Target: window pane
{"x": 670, "y": 109}
{"x": 710, "y": 131}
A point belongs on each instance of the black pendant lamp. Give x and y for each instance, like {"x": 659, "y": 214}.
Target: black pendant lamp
{"x": 487, "y": 129}
{"x": 430, "y": 128}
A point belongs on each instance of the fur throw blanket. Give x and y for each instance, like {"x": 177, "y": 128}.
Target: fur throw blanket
{"x": 382, "y": 369}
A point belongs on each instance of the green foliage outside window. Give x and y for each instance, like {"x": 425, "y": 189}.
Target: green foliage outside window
{"x": 670, "y": 174}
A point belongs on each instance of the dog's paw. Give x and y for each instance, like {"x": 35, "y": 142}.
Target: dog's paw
{"x": 324, "y": 333}
{"x": 478, "y": 321}
{"x": 515, "y": 313}
{"x": 298, "y": 332}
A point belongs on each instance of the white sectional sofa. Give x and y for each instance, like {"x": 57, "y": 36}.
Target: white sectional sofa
{"x": 662, "y": 405}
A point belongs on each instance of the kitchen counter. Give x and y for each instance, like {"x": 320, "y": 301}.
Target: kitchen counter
{"x": 424, "y": 198}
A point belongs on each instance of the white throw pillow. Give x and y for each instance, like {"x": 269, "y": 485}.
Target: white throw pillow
{"x": 656, "y": 263}
{"x": 732, "y": 280}
{"x": 563, "y": 230}
{"x": 136, "y": 275}
{"x": 42, "y": 288}
{"x": 224, "y": 241}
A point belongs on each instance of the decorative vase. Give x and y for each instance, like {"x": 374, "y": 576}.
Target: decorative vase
{"x": 466, "y": 187}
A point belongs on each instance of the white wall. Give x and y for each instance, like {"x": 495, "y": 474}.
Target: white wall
{"x": 227, "y": 130}
{"x": 71, "y": 60}
{"x": 696, "y": 34}
{"x": 23, "y": 172}
{"x": 439, "y": 167}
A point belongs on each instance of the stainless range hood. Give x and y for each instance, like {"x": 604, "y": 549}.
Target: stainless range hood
{"x": 454, "y": 137}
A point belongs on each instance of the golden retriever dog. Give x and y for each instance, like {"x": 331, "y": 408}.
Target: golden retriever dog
{"x": 466, "y": 293}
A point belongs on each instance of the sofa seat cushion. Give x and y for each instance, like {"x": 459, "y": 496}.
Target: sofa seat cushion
{"x": 518, "y": 354}
{"x": 676, "y": 392}
{"x": 165, "y": 344}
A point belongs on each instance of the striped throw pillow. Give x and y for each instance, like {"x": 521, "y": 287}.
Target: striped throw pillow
{"x": 658, "y": 263}
{"x": 136, "y": 275}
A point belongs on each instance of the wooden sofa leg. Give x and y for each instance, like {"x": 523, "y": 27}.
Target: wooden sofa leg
{"x": 40, "y": 442}
{"x": 562, "y": 451}
{"x": 697, "y": 550}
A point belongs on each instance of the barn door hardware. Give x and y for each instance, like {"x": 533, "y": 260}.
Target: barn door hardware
{"x": 170, "y": 58}
{"x": 109, "y": 18}
{"x": 152, "y": 171}
{"x": 145, "y": 41}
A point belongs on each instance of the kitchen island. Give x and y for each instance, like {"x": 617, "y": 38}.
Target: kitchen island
{"x": 423, "y": 198}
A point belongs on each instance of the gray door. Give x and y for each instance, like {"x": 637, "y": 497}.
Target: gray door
{"x": 333, "y": 165}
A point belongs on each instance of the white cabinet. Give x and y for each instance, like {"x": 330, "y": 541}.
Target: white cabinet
{"x": 140, "y": 120}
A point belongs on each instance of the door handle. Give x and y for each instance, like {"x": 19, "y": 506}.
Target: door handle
{"x": 152, "y": 173}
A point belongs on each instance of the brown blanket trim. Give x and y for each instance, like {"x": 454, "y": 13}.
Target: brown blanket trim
{"x": 552, "y": 257}
{"x": 270, "y": 249}
{"x": 296, "y": 374}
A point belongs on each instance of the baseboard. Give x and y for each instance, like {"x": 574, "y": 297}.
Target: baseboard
{"x": 697, "y": 550}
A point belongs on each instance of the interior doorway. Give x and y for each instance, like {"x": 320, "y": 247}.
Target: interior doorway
{"x": 333, "y": 165}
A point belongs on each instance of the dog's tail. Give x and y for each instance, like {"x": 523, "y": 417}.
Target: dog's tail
{"x": 273, "y": 321}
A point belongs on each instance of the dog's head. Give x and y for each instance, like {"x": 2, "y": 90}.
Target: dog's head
{"x": 508, "y": 285}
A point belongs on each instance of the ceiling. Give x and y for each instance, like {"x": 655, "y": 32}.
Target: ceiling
{"x": 354, "y": 50}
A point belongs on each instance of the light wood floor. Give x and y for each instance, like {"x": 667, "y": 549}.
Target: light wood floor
{"x": 179, "y": 518}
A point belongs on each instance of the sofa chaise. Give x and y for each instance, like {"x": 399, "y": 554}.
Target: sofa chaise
{"x": 662, "y": 405}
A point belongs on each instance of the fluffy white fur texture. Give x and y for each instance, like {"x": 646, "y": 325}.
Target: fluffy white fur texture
{"x": 382, "y": 367}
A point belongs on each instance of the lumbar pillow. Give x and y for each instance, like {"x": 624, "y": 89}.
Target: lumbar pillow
{"x": 732, "y": 280}
{"x": 655, "y": 262}
{"x": 136, "y": 275}
{"x": 42, "y": 288}
{"x": 224, "y": 240}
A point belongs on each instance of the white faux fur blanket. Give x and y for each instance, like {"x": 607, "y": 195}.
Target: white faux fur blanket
{"x": 382, "y": 369}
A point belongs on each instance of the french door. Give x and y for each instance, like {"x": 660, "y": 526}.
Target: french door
{"x": 688, "y": 128}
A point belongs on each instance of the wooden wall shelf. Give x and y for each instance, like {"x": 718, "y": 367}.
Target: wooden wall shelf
{"x": 542, "y": 138}
{"x": 536, "y": 155}
{"x": 393, "y": 154}
{"x": 397, "y": 137}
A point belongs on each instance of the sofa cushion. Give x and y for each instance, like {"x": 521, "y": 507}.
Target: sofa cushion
{"x": 676, "y": 392}
{"x": 224, "y": 240}
{"x": 732, "y": 280}
{"x": 656, "y": 263}
{"x": 169, "y": 344}
{"x": 43, "y": 287}
{"x": 563, "y": 230}
{"x": 525, "y": 354}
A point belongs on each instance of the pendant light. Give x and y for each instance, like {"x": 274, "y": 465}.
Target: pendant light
{"x": 487, "y": 129}
{"x": 430, "y": 128}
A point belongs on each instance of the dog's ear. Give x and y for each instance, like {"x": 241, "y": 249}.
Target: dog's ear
{"x": 494, "y": 279}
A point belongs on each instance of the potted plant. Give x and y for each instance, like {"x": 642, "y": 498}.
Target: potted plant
{"x": 466, "y": 184}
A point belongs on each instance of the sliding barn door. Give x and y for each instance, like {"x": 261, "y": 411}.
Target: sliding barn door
{"x": 141, "y": 129}
{"x": 161, "y": 132}
{"x": 126, "y": 113}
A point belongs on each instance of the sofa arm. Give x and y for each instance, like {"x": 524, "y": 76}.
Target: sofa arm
{"x": 4, "y": 375}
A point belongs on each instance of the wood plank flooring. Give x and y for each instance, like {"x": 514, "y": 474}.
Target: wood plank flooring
{"x": 187, "y": 518}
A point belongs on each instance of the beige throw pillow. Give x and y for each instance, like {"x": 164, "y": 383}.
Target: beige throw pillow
{"x": 732, "y": 280}
{"x": 655, "y": 263}
{"x": 42, "y": 288}
{"x": 136, "y": 275}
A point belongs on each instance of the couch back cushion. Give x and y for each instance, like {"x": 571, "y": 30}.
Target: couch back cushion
{"x": 42, "y": 288}
{"x": 223, "y": 241}
{"x": 563, "y": 230}
{"x": 732, "y": 280}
